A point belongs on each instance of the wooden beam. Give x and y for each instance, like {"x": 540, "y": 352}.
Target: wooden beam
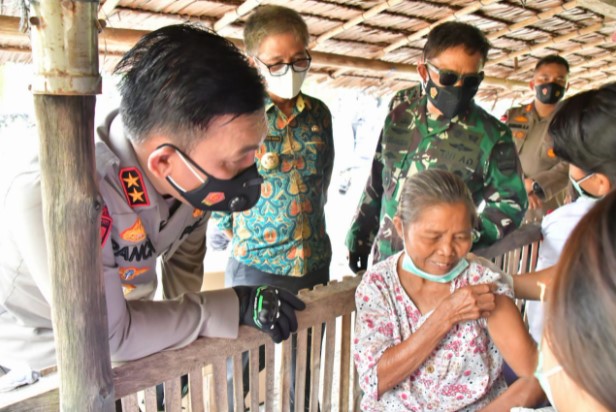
{"x": 363, "y": 16}
{"x": 532, "y": 20}
{"x": 555, "y": 40}
{"x": 236, "y": 13}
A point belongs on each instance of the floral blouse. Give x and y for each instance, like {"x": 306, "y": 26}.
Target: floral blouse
{"x": 464, "y": 371}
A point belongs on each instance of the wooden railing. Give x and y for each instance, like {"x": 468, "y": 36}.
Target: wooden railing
{"x": 333, "y": 383}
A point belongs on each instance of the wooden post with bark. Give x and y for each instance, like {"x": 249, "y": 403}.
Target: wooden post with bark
{"x": 66, "y": 80}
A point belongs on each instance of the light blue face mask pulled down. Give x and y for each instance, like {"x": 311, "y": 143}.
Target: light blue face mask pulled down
{"x": 583, "y": 193}
{"x": 409, "y": 266}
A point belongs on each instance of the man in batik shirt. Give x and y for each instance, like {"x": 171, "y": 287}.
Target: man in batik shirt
{"x": 442, "y": 129}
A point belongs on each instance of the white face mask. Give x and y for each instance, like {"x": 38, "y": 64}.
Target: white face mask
{"x": 286, "y": 86}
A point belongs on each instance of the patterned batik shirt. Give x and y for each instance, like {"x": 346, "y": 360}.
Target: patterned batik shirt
{"x": 463, "y": 373}
{"x": 475, "y": 146}
{"x": 284, "y": 233}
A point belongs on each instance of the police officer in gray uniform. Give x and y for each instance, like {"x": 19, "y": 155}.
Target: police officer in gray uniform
{"x": 182, "y": 143}
{"x": 545, "y": 175}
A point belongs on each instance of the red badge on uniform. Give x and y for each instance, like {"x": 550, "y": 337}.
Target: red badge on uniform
{"x": 134, "y": 189}
{"x": 105, "y": 225}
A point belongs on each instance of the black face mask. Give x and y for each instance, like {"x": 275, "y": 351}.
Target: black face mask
{"x": 450, "y": 100}
{"x": 233, "y": 195}
{"x": 549, "y": 93}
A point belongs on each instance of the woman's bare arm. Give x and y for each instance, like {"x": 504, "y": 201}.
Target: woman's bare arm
{"x": 519, "y": 351}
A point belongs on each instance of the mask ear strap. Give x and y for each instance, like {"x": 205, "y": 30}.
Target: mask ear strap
{"x": 190, "y": 167}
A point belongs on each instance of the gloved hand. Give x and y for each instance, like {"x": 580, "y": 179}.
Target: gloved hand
{"x": 269, "y": 309}
{"x": 358, "y": 261}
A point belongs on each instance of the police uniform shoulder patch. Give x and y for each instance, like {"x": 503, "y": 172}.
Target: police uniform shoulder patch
{"x": 134, "y": 188}
{"x": 135, "y": 233}
{"x": 106, "y": 221}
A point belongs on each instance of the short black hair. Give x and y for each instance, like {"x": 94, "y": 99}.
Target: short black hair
{"x": 582, "y": 130}
{"x": 552, "y": 59}
{"x": 177, "y": 79}
{"x": 453, "y": 34}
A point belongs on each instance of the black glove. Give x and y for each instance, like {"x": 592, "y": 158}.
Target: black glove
{"x": 358, "y": 261}
{"x": 269, "y": 309}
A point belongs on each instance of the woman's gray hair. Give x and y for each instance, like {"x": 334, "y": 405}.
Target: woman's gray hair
{"x": 431, "y": 187}
{"x": 268, "y": 20}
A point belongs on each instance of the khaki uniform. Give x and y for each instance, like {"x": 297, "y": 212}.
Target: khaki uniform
{"x": 138, "y": 225}
{"x": 534, "y": 147}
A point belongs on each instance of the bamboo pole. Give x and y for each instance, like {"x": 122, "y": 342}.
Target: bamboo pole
{"x": 65, "y": 57}
{"x": 236, "y": 13}
{"x": 362, "y": 17}
{"x": 555, "y": 40}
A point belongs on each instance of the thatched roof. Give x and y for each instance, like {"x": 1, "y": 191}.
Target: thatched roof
{"x": 373, "y": 45}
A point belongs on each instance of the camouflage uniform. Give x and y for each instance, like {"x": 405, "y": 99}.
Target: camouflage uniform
{"x": 475, "y": 146}
{"x": 534, "y": 147}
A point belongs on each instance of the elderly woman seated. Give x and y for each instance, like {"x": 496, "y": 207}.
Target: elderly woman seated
{"x": 435, "y": 322}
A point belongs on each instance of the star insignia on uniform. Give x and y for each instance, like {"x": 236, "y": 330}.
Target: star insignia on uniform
{"x": 136, "y": 195}
{"x": 131, "y": 180}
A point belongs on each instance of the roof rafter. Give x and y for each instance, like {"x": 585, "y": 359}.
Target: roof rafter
{"x": 236, "y": 13}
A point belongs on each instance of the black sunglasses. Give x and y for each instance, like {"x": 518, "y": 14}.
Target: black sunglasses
{"x": 450, "y": 78}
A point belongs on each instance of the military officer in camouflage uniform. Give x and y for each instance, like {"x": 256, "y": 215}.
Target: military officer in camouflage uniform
{"x": 443, "y": 129}
{"x": 545, "y": 175}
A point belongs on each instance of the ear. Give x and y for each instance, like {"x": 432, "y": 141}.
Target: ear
{"x": 399, "y": 227}
{"x": 422, "y": 70}
{"x": 603, "y": 184}
{"x": 158, "y": 162}
{"x": 251, "y": 60}
{"x": 531, "y": 84}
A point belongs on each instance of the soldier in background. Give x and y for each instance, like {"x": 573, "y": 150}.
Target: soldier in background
{"x": 443, "y": 129}
{"x": 545, "y": 175}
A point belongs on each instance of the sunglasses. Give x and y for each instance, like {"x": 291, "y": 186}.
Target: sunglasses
{"x": 450, "y": 78}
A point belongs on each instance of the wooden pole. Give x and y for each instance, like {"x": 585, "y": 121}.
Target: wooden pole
{"x": 65, "y": 57}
